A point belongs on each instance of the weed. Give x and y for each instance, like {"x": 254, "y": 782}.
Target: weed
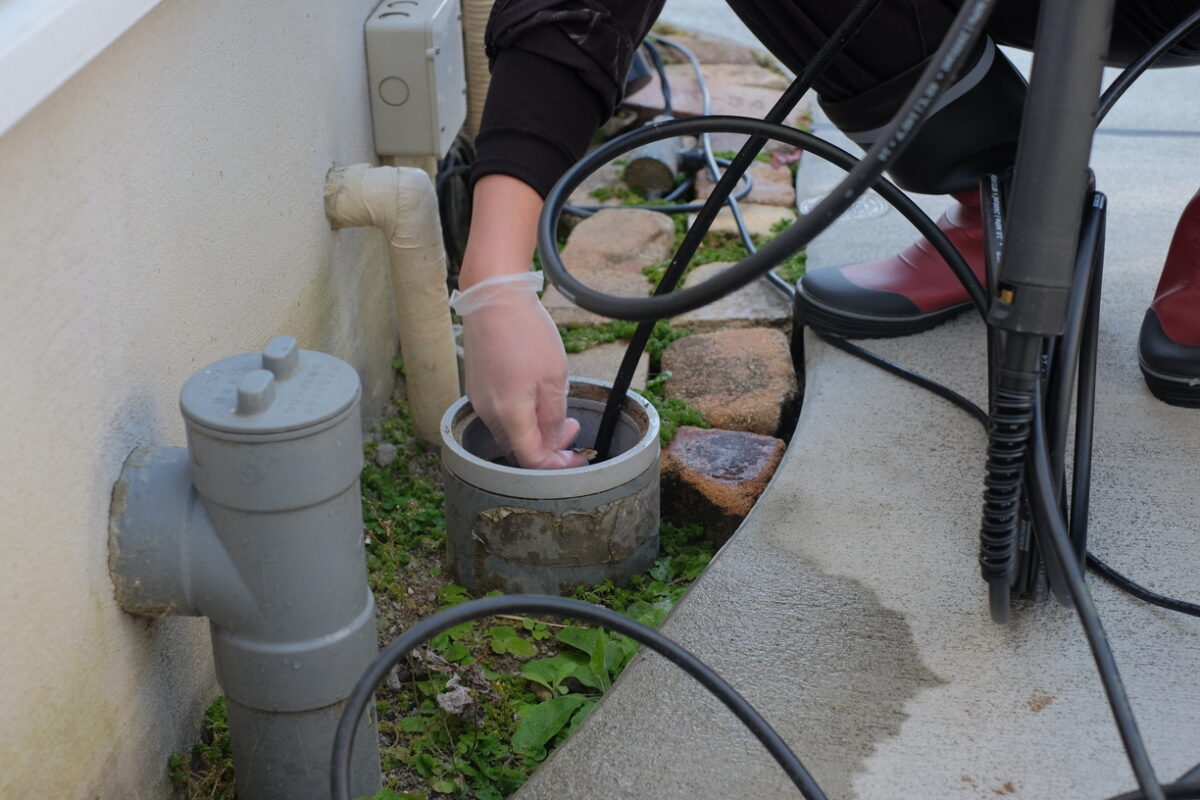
{"x": 474, "y": 713}
{"x": 578, "y": 337}
{"x": 208, "y": 771}
{"x": 672, "y": 411}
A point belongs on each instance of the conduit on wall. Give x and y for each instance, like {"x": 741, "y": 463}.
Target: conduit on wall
{"x": 401, "y": 202}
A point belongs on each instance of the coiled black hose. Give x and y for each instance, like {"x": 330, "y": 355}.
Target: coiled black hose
{"x": 1009, "y": 427}
{"x": 708, "y": 212}
{"x": 426, "y": 629}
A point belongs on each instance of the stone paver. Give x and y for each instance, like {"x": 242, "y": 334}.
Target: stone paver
{"x": 773, "y": 186}
{"x": 608, "y": 251}
{"x": 740, "y": 380}
{"x": 713, "y": 477}
{"x": 608, "y": 176}
{"x": 757, "y": 305}
{"x": 759, "y": 219}
{"x": 602, "y": 361}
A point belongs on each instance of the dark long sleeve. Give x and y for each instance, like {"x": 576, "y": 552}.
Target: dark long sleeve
{"x": 558, "y": 70}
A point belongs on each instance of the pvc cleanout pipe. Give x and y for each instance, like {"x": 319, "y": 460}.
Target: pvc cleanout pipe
{"x": 475, "y": 19}
{"x": 401, "y": 202}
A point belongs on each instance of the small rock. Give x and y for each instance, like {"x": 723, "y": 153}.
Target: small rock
{"x": 393, "y": 678}
{"x": 773, "y": 186}
{"x": 760, "y": 220}
{"x": 757, "y": 305}
{"x": 714, "y": 477}
{"x": 740, "y": 380}
{"x": 385, "y": 454}
{"x": 602, "y": 362}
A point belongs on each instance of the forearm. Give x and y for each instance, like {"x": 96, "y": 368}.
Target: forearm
{"x": 503, "y": 229}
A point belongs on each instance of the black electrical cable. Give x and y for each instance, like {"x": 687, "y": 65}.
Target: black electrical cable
{"x": 453, "y": 189}
{"x": 1131, "y": 73}
{"x": 1141, "y": 592}
{"x": 944, "y": 66}
{"x": 426, "y": 629}
{"x": 1173, "y": 791}
{"x": 916, "y": 378}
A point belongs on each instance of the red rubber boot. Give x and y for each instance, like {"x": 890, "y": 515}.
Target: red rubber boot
{"x": 1169, "y": 343}
{"x": 909, "y": 292}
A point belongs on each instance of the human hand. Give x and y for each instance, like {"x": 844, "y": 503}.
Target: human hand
{"x": 516, "y": 370}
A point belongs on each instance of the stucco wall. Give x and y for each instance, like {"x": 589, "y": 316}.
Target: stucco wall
{"x": 161, "y": 210}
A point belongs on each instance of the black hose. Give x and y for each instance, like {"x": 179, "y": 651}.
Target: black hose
{"x": 944, "y": 66}
{"x": 1183, "y": 790}
{"x": 1141, "y": 592}
{"x": 426, "y": 629}
{"x": 1043, "y": 500}
{"x": 1131, "y": 73}
{"x": 704, "y": 218}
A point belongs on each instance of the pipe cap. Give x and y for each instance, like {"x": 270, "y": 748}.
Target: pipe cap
{"x": 276, "y": 390}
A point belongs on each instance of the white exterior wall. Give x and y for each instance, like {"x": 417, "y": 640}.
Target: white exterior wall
{"x": 161, "y": 210}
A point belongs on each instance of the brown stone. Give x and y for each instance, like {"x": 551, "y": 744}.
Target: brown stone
{"x": 607, "y": 252}
{"x": 760, "y": 220}
{"x": 773, "y": 186}
{"x": 713, "y": 477}
{"x": 756, "y": 305}
{"x": 602, "y": 362}
{"x": 625, "y": 239}
{"x": 740, "y": 380}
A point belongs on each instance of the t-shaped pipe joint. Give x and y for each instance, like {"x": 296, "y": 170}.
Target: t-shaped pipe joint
{"x": 257, "y": 525}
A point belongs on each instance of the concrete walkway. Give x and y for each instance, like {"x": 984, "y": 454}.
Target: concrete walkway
{"x": 848, "y": 607}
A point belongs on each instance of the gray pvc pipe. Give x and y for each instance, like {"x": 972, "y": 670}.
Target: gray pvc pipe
{"x": 257, "y": 525}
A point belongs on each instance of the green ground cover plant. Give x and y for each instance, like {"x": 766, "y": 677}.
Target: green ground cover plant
{"x": 476, "y": 711}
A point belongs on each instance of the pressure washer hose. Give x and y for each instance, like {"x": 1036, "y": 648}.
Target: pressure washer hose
{"x": 945, "y": 64}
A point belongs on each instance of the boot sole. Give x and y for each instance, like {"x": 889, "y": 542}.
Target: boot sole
{"x": 856, "y": 325}
{"x": 1176, "y": 390}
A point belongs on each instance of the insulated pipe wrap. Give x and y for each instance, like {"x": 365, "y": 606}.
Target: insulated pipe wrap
{"x": 479, "y": 76}
{"x": 400, "y": 201}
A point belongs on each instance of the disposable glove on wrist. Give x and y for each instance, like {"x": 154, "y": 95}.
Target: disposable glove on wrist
{"x": 516, "y": 370}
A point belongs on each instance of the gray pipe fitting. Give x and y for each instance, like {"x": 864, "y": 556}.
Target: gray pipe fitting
{"x": 257, "y": 525}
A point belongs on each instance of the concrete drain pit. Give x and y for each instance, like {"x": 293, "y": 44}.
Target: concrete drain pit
{"x": 548, "y": 531}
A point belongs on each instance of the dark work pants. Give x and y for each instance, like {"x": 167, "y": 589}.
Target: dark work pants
{"x": 977, "y": 133}
{"x": 902, "y": 33}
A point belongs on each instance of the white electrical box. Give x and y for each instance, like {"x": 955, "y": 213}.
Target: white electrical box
{"x": 418, "y": 80}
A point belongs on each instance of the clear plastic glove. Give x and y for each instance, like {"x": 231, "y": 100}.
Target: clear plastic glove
{"x": 516, "y": 370}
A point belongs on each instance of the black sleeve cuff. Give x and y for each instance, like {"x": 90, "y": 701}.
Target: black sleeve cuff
{"x": 539, "y": 118}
